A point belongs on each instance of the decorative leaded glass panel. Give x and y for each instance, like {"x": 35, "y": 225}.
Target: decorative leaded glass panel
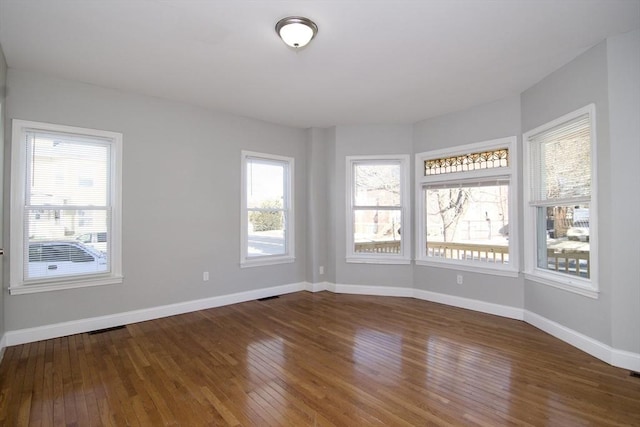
{"x": 498, "y": 158}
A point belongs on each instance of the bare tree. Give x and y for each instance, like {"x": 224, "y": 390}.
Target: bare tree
{"x": 452, "y": 204}
{"x": 567, "y": 173}
{"x": 373, "y": 178}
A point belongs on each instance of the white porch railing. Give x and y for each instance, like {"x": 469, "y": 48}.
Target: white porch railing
{"x": 570, "y": 261}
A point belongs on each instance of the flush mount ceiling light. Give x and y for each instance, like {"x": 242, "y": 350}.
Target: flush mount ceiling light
{"x": 296, "y": 31}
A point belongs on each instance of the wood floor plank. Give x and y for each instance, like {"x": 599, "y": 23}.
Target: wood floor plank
{"x": 82, "y": 411}
{"x": 35, "y": 417}
{"x": 315, "y": 359}
{"x": 26, "y": 398}
{"x": 16, "y": 373}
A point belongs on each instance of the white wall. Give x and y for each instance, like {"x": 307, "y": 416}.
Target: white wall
{"x": 181, "y": 198}
{"x": 623, "y": 59}
{"x": 318, "y": 203}
{"x": 579, "y": 83}
{"x": 364, "y": 140}
{"x": 498, "y": 119}
{"x": 3, "y": 93}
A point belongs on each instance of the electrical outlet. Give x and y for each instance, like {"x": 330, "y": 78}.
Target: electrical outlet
{"x": 459, "y": 279}
{"x": 205, "y": 276}
{"x": 321, "y": 269}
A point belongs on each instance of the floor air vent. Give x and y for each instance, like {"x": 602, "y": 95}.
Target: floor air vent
{"x": 100, "y": 331}
{"x": 268, "y": 298}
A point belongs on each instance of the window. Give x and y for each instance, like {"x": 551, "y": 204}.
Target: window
{"x": 560, "y": 210}
{"x": 65, "y": 185}
{"x": 378, "y": 225}
{"x": 267, "y": 209}
{"x": 466, "y": 208}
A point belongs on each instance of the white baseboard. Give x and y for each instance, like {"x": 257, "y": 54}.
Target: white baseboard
{"x": 317, "y": 287}
{"x": 3, "y": 346}
{"x": 612, "y": 356}
{"x": 22, "y": 336}
{"x": 615, "y": 357}
{"x": 471, "y": 304}
{"x": 390, "y": 291}
{"x": 384, "y": 291}
{"x": 625, "y": 359}
{"x": 576, "y": 339}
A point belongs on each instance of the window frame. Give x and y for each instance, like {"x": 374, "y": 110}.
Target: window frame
{"x": 471, "y": 177}
{"x": 288, "y": 209}
{"x": 404, "y": 257}
{"x": 17, "y": 283}
{"x": 586, "y": 287}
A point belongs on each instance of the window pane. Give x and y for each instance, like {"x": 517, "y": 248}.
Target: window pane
{"x": 467, "y": 162}
{"x": 266, "y": 233}
{"x": 267, "y": 209}
{"x": 64, "y": 224}
{"x": 65, "y": 238}
{"x": 563, "y": 239}
{"x": 564, "y": 161}
{"x": 67, "y": 172}
{"x": 377, "y": 231}
{"x": 265, "y": 183}
{"x": 468, "y": 222}
{"x": 377, "y": 185}
{"x": 55, "y": 259}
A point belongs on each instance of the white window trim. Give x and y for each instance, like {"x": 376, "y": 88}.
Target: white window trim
{"x": 586, "y": 287}
{"x": 17, "y": 284}
{"x": 509, "y": 270}
{"x": 258, "y": 261}
{"x": 404, "y": 257}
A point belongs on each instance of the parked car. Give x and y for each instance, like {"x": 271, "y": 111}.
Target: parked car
{"x": 97, "y": 240}
{"x": 579, "y": 231}
{"x": 59, "y": 258}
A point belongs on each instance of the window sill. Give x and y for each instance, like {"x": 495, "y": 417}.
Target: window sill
{"x": 469, "y": 267}
{"x": 566, "y": 285}
{"x": 373, "y": 260}
{"x": 58, "y": 286}
{"x": 262, "y": 261}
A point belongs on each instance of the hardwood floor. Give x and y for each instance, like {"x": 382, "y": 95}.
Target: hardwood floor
{"x": 315, "y": 359}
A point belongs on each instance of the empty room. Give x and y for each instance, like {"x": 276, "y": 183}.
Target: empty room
{"x": 320, "y": 213}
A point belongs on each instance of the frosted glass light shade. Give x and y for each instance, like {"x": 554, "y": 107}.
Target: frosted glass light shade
{"x": 296, "y": 31}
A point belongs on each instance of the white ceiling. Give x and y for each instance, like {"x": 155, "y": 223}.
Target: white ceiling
{"x": 372, "y": 61}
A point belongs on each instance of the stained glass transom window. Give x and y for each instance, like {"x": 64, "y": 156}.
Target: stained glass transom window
{"x": 467, "y": 162}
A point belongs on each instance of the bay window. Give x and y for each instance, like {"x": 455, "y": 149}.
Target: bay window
{"x": 560, "y": 210}
{"x": 465, "y": 203}
{"x": 378, "y": 226}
